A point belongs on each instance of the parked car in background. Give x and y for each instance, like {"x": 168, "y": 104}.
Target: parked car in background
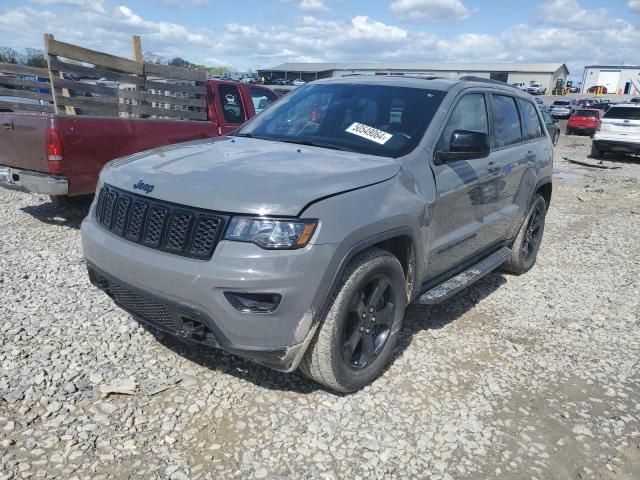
{"x": 536, "y": 89}
{"x": 553, "y": 127}
{"x": 300, "y": 240}
{"x": 520, "y": 85}
{"x": 584, "y": 120}
{"x": 585, "y": 102}
{"x": 298, "y": 82}
{"x": 563, "y": 108}
{"x": 619, "y": 131}
{"x": 597, "y": 89}
{"x": 572, "y": 88}
{"x": 602, "y": 106}
{"x": 62, "y": 155}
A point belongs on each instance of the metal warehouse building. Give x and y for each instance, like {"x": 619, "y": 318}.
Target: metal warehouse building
{"x": 545, "y": 73}
{"x": 623, "y": 80}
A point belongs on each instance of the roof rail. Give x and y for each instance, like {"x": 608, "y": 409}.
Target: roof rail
{"x": 472, "y": 78}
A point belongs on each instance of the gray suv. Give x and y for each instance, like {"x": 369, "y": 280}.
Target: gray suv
{"x": 299, "y": 240}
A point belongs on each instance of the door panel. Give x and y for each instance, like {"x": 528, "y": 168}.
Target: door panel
{"x": 464, "y": 187}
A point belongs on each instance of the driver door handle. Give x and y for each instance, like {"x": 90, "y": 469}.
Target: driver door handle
{"x": 530, "y": 155}
{"x": 8, "y": 126}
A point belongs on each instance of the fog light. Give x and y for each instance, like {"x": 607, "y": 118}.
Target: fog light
{"x": 254, "y": 302}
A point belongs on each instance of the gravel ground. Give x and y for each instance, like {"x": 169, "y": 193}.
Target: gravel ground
{"x": 516, "y": 377}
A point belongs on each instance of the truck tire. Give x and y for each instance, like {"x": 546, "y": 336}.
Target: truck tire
{"x": 527, "y": 242}
{"x": 357, "y": 336}
{"x": 595, "y": 151}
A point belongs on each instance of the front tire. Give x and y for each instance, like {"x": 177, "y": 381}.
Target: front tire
{"x": 356, "y": 338}
{"x": 524, "y": 250}
{"x": 595, "y": 151}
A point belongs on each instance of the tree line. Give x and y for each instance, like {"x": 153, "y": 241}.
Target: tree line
{"x": 34, "y": 57}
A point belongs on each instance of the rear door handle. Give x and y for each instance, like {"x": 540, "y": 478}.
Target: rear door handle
{"x": 530, "y": 155}
{"x": 8, "y": 126}
{"x": 493, "y": 167}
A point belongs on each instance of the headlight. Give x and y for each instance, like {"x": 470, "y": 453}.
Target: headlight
{"x": 271, "y": 233}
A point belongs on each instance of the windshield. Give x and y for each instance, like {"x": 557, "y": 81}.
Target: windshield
{"x": 378, "y": 120}
{"x": 623, "y": 113}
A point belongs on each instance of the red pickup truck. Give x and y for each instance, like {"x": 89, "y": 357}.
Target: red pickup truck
{"x": 62, "y": 155}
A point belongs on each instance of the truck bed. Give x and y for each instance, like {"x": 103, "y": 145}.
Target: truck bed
{"x": 88, "y": 142}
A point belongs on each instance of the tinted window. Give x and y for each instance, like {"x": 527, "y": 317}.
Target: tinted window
{"x": 469, "y": 114}
{"x": 532, "y": 127}
{"x": 262, "y": 98}
{"x": 379, "y": 120}
{"x": 586, "y": 113}
{"x": 561, "y": 103}
{"x": 623, "y": 113}
{"x": 506, "y": 121}
{"x": 231, "y": 104}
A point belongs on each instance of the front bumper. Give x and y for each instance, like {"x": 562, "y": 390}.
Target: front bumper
{"x": 609, "y": 144}
{"x": 189, "y": 294}
{"x": 590, "y": 130}
{"x": 33, "y": 181}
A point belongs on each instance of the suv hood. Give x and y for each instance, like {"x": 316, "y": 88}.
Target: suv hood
{"x": 245, "y": 175}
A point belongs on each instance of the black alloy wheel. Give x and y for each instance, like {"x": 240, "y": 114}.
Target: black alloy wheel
{"x": 370, "y": 317}
{"x": 533, "y": 233}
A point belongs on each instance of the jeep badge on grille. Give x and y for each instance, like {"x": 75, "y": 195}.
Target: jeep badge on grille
{"x": 145, "y": 187}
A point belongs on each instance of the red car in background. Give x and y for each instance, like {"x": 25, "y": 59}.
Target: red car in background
{"x": 586, "y": 120}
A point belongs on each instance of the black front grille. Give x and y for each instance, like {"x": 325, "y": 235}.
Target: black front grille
{"x": 187, "y": 231}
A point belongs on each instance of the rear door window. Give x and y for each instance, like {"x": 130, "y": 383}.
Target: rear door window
{"x": 506, "y": 121}
{"x": 532, "y": 127}
{"x": 262, "y": 98}
{"x": 586, "y": 113}
{"x": 231, "y": 104}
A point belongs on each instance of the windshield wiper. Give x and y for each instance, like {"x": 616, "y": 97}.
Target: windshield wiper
{"x": 315, "y": 143}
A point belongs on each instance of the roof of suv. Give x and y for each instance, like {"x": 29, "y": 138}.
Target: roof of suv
{"x": 427, "y": 82}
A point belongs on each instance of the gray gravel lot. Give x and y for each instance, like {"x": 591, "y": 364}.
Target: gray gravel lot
{"x": 517, "y": 377}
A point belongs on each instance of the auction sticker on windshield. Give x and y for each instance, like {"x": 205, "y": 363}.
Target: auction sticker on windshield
{"x": 370, "y": 133}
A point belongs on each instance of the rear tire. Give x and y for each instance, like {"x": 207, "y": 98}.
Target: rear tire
{"x": 80, "y": 202}
{"x": 357, "y": 336}
{"x": 524, "y": 250}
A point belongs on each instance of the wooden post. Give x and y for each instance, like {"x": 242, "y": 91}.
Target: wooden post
{"x": 137, "y": 56}
{"x": 137, "y": 49}
{"x": 47, "y": 37}
{"x": 69, "y": 110}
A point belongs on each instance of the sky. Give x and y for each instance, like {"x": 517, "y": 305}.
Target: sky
{"x": 252, "y": 34}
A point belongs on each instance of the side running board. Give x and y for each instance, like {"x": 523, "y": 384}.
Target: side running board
{"x": 465, "y": 278}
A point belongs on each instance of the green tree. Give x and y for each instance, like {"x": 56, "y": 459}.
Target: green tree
{"x": 34, "y": 58}
{"x": 9, "y": 55}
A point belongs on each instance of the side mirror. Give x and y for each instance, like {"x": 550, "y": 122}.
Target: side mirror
{"x": 466, "y": 145}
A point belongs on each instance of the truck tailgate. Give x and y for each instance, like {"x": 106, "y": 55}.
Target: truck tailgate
{"x": 22, "y": 141}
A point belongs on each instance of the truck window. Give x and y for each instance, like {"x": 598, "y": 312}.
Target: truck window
{"x": 262, "y": 98}
{"x": 506, "y": 121}
{"x": 532, "y": 127}
{"x": 231, "y": 104}
{"x": 469, "y": 114}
